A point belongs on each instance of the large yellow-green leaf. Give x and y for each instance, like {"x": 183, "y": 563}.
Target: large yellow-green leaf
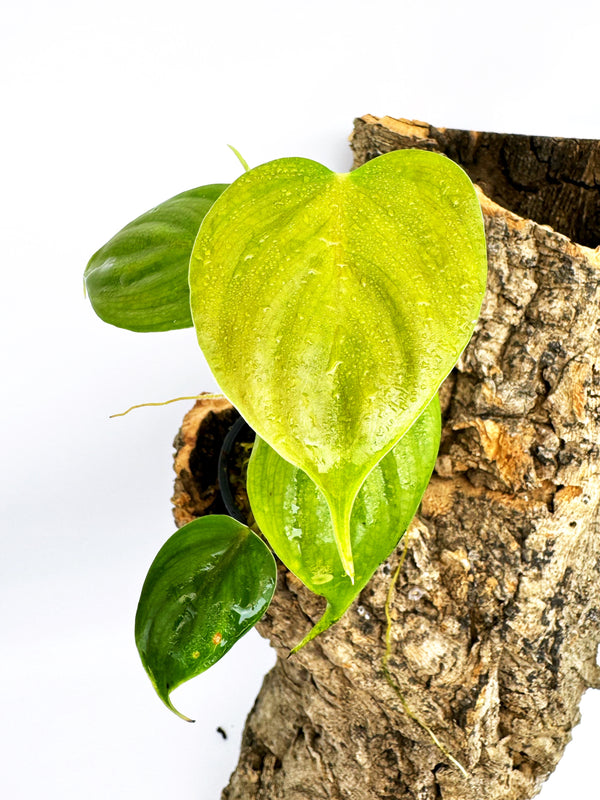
{"x": 331, "y": 306}
{"x": 139, "y": 279}
{"x": 208, "y": 585}
{"x": 293, "y": 515}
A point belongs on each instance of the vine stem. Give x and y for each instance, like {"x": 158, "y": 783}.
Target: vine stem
{"x": 173, "y": 400}
{"x": 240, "y": 157}
{"x": 388, "y": 675}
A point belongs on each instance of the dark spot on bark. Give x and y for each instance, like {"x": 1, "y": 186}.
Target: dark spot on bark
{"x": 537, "y": 559}
{"x": 592, "y": 616}
{"x": 543, "y": 455}
{"x": 545, "y": 618}
{"x": 564, "y": 272}
{"x": 567, "y": 576}
{"x": 256, "y": 759}
{"x": 554, "y": 652}
{"x": 565, "y": 457}
{"x": 367, "y": 626}
{"x": 558, "y": 601}
{"x": 557, "y": 348}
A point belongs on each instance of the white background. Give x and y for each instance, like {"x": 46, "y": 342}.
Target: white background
{"x": 106, "y": 110}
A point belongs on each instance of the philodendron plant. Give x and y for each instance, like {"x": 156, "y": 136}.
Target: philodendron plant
{"x": 329, "y": 307}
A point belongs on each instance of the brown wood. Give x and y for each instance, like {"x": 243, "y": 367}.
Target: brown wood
{"x": 496, "y": 617}
{"x": 553, "y": 181}
{"x": 197, "y": 447}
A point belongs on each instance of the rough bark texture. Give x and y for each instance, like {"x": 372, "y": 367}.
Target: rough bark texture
{"x": 553, "y": 181}
{"x": 496, "y": 616}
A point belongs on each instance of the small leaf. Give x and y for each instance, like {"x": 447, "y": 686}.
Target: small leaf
{"x": 292, "y": 514}
{"x": 331, "y": 307}
{"x": 208, "y": 585}
{"x": 139, "y": 279}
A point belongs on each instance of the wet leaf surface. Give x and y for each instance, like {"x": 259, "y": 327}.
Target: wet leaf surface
{"x": 293, "y": 515}
{"x": 208, "y": 585}
{"x": 330, "y": 307}
{"x": 139, "y": 279}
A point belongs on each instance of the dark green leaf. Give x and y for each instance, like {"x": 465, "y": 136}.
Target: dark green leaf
{"x": 139, "y": 279}
{"x": 208, "y": 585}
{"x": 293, "y": 515}
{"x": 331, "y": 307}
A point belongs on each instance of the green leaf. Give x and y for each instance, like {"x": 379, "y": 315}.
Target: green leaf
{"x": 330, "y": 307}
{"x": 208, "y": 585}
{"x": 293, "y": 515}
{"x": 139, "y": 279}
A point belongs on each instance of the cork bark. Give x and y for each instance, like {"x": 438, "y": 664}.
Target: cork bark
{"x": 496, "y": 615}
{"x": 553, "y": 181}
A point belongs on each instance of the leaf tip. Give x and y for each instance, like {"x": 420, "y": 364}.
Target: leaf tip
{"x": 330, "y": 615}
{"x": 167, "y": 701}
{"x": 183, "y": 716}
{"x": 163, "y": 690}
{"x": 348, "y": 564}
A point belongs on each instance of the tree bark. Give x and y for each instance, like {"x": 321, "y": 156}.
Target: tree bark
{"x": 553, "y": 181}
{"x": 496, "y": 614}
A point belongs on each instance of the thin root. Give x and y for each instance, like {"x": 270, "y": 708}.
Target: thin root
{"x": 388, "y": 676}
{"x": 174, "y": 400}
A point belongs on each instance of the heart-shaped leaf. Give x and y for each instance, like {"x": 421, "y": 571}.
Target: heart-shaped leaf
{"x": 139, "y": 279}
{"x": 330, "y": 307}
{"x": 208, "y": 585}
{"x": 293, "y": 515}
